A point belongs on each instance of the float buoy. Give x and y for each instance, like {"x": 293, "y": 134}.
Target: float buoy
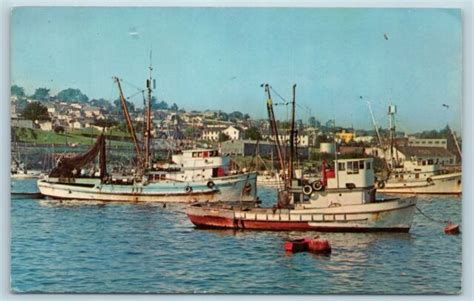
{"x": 188, "y": 189}
{"x": 318, "y": 245}
{"x": 452, "y": 229}
{"x": 317, "y": 185}
{"x": 381, "y": 184}
{"x": 308, "y": 244}
{"x": 211, "y": 184}
{"x": 296, "y": 245}
{"x": 429, "y": 180}
{"x": 247, "y": 188}
{"x": 307, "y": 189}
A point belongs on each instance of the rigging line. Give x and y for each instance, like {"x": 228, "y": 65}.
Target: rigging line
{"x": 129, "y": 83}
{"x": 430, "y": 218}
{"x": 281, "y": 97}
{"x": 134, "y": 94}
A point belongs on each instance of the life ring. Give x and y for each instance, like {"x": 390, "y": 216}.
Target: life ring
{"x": 247, "y": 188}
{"x": 188, "y": 189}
{"x": 429, "y": 180}
{"x": 307, "y": 189}
{"x": 317, "y": 185}
{"x": 381, "y": 184}
{"x": 210, "y": 184}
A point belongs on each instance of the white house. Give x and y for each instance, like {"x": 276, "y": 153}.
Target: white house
{"x": 233, "y": 133}
{"x": 211, "y": 134}
{"x": 45, "y": 125}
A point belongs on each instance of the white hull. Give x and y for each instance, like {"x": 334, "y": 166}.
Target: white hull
{"x": 394, "y": 215}
{"x": 226, "y": 188}
{"x": 441, "y": 184}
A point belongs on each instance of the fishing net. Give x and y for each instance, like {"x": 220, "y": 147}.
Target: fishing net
{"x": 69, "y": 167}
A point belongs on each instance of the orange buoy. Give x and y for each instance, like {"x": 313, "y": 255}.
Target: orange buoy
{"x": 318, "y": 245}
{"x": 452, "y": 229}
{"x": 296, "y": 245}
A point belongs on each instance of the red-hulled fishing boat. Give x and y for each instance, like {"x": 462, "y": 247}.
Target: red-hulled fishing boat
{"x": 344, "y": 200}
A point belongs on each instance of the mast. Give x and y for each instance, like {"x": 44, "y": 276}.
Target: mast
{"x": 273, "y": 126}
{"x": 292, "y": 140}
{"x": 149, "y": 87}
{"x": 131, "y": 129}
{"x": 392, "y": 109}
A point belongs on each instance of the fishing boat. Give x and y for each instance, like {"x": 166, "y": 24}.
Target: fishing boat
{"x": 343, "y": 200}
{"x": 421, "y": 177}
{"x": 193, "y": 175}
{"x": 417, "y": 174}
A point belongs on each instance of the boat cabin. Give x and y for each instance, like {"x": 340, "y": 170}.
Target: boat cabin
{"x": 347, "y": 182}
{"x": 349, "y": 173}
{"x": 202, "y": 164}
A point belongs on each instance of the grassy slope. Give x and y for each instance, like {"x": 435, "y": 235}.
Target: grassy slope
{"x": 81, "y": 137}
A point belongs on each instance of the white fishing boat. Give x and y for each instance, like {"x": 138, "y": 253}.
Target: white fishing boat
{"x": 420, "y": 173}
{"x": 421, "y": 177}
{"x": 343, "y": 200}
{"x": 194, "y": 175}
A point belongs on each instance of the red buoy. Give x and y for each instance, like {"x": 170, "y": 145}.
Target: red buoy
{"x": 296, "y": 245}
{"x": 452, "y": 229}
{"x": 318, "y": 245}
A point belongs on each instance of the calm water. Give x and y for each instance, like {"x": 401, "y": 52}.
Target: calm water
{"x": 94, "y": 248}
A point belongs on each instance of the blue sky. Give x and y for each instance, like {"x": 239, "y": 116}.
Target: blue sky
{"x": 216, "y": 58}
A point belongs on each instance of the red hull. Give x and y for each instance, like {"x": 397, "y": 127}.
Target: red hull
{"x": 225, "y": 223}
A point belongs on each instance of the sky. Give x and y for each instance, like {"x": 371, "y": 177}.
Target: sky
{"x": 217, "y": 58}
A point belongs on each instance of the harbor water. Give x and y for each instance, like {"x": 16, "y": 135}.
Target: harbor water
{"x": 77, "y": 247}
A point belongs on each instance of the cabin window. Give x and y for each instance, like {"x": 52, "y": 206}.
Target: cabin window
{"x": 423, "y": 162}
{"x": 352, "y": 167}
{"x": 341, "y": 166}
{"x": 430, "y": 162}
{"x": 361, "y": 164}
{"x": 368, "y": 165}
{"x": 195, "y": 155}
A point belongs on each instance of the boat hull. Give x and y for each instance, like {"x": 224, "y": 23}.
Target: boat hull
{"x": 387, "y": 216}
{"x": 449, "y": 184}
{"x": 172, "y": 192}
{"x": 224, "y": 188}
{"x": 236, "y": 187}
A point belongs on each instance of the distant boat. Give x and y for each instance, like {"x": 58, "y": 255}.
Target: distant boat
{"x": 416, "y": 175}
{"x": 421, "y": 177}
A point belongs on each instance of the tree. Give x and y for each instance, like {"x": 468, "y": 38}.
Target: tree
{"x": 155, "y": 105}
{"x": 253, "y": 133}
{"x": 312, "y": 121}
{"x": 223, "y": 116}
{"x": 41, "y": 94}
{"x": 106, "y": 123}
{"x": 118, "y": 106}
{"x": 223, "y": 137}
{"x": 36, "y": 111}
{"x": 72, "y": 95}
{"x": 103, "y": 103}
{"x": 17, "y": 91}
{"x": 174, "y": 107}
{"x": 236, "y": 115}
{"x": 58, "y": 129}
